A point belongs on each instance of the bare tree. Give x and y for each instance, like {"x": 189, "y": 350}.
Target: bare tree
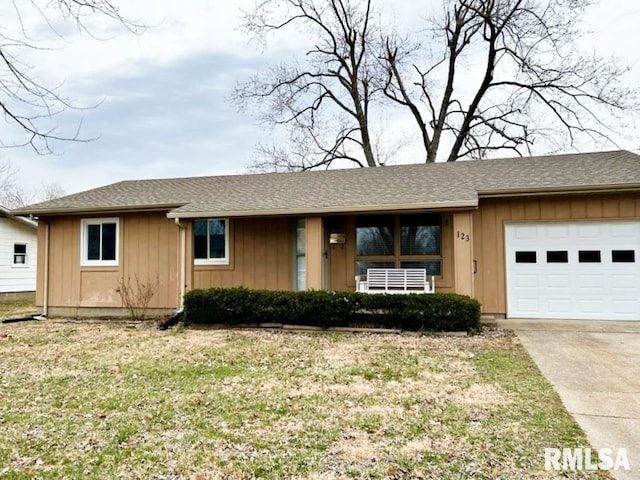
{"x": 13, "y": 195}
{"x": 49, "y": 191}
{"x": 18, "y": 196}
{"x": 324, "y": 103}
{"x": 7, "y": 178}
{"x": 494, "y": 75}
{"x": 25, "y": 101}
{"x": 532, "y": 83}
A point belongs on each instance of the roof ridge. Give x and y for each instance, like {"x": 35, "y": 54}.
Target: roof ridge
{"x": 416, "y": 185}
{"x": 362, "y": 169}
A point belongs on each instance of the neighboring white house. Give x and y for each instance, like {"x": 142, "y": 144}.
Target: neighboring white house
{"x": 18, "y": 237}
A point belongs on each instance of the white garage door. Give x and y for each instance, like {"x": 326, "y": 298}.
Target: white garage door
{"x": 581, "y": 270}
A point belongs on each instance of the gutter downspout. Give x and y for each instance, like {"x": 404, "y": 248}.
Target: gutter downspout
{"x": 45, "y": 293}
{"x": 183, "y": 261}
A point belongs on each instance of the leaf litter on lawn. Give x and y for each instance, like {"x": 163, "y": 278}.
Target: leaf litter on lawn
{"x": 98, "y": 399}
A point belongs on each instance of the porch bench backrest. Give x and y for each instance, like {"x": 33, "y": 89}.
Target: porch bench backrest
{"x": 398, "y": 279}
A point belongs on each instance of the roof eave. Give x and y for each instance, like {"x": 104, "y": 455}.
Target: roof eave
{"x": 570, "y": 190}
{"x": 23, "y": 221}
{"x": 469, "y": 204}
{"x": 97, "y": 211}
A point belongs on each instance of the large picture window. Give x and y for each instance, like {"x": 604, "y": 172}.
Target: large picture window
{"x": 399, "y": 241}
{"x": 211, "y": 241}
{"x": 99, "y": 242}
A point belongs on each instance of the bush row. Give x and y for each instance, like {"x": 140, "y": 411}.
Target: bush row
{"x": 415, "y": 312}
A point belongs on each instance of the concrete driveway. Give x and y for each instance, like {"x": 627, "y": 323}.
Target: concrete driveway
{"x": 595, "y": 368}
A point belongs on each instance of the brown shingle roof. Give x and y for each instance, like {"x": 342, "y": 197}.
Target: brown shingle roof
{"x": 414, "y": 186}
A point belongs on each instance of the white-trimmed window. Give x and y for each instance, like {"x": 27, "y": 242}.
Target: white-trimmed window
{"x": 99, "y": 237}
{"x": 211, "y": 241}
{"x": 20, "y": 254}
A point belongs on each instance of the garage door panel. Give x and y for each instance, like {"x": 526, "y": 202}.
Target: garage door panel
{"x": 624, "y": 282}
{"x": 623, "y": 231}
{"x": 557, "y": 232}
{"x": 530, "y": 305}
{"x": 558, "y": 281}
{"x": 559, "y": 306}
{"x": 581, "y": 269}
{"x": 590, "y": 305}
{"x": 527, "y": 232}
{"x": 589, "y": 231}
{"x": 590, "y": 281}
{"x": 625, "y": 307}
{"x": 527, "y": 281}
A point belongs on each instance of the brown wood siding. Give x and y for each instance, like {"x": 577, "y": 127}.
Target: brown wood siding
{"x": 261, "y": 256}
{"x": 40, "y": 265}
{"x": 446, "y": 283}
{"x": 341, "y": 268}
{"x": 99, "y": 287}
{"x": 463, "y": 252}
{"x": 489, "y": 220}
{"x": 64, "y": 262}
{"x": 148, "y": 249}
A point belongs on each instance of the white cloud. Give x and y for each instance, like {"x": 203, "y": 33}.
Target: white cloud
{"x": 175, "y": 29}
{"x": 158, "y": 121}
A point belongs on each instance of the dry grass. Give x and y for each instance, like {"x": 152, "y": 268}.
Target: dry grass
{"x": 100, "y": 400}
{"x": 16, "y": 308}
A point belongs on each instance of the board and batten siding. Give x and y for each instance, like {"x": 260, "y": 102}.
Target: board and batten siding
{"x": 492, "y": 214}
{"x": 148, "y": 250}
{"x": 261, "y": 256}
{"x": 17, "y": 278}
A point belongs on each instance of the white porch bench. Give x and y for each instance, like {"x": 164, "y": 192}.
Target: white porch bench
{"x": 395, "y": 280}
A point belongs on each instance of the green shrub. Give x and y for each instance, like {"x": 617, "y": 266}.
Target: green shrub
{"x": 415, "y": 312}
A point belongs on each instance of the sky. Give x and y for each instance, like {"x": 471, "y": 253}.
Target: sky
{"x": 161, "y": 98}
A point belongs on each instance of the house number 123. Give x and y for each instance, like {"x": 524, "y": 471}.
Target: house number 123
{"x": 463, "y": 236}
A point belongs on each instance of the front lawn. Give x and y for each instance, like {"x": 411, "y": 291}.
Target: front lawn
{"x": 16, "y": 308}
{"x": 100, "y": 400}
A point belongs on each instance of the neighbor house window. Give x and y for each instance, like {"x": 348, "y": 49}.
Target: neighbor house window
{"x": 399, "y": 241}
{"x": 211, "y": 241}
{"x": 19, "y": 254}
{"x": 99, "y": 242}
